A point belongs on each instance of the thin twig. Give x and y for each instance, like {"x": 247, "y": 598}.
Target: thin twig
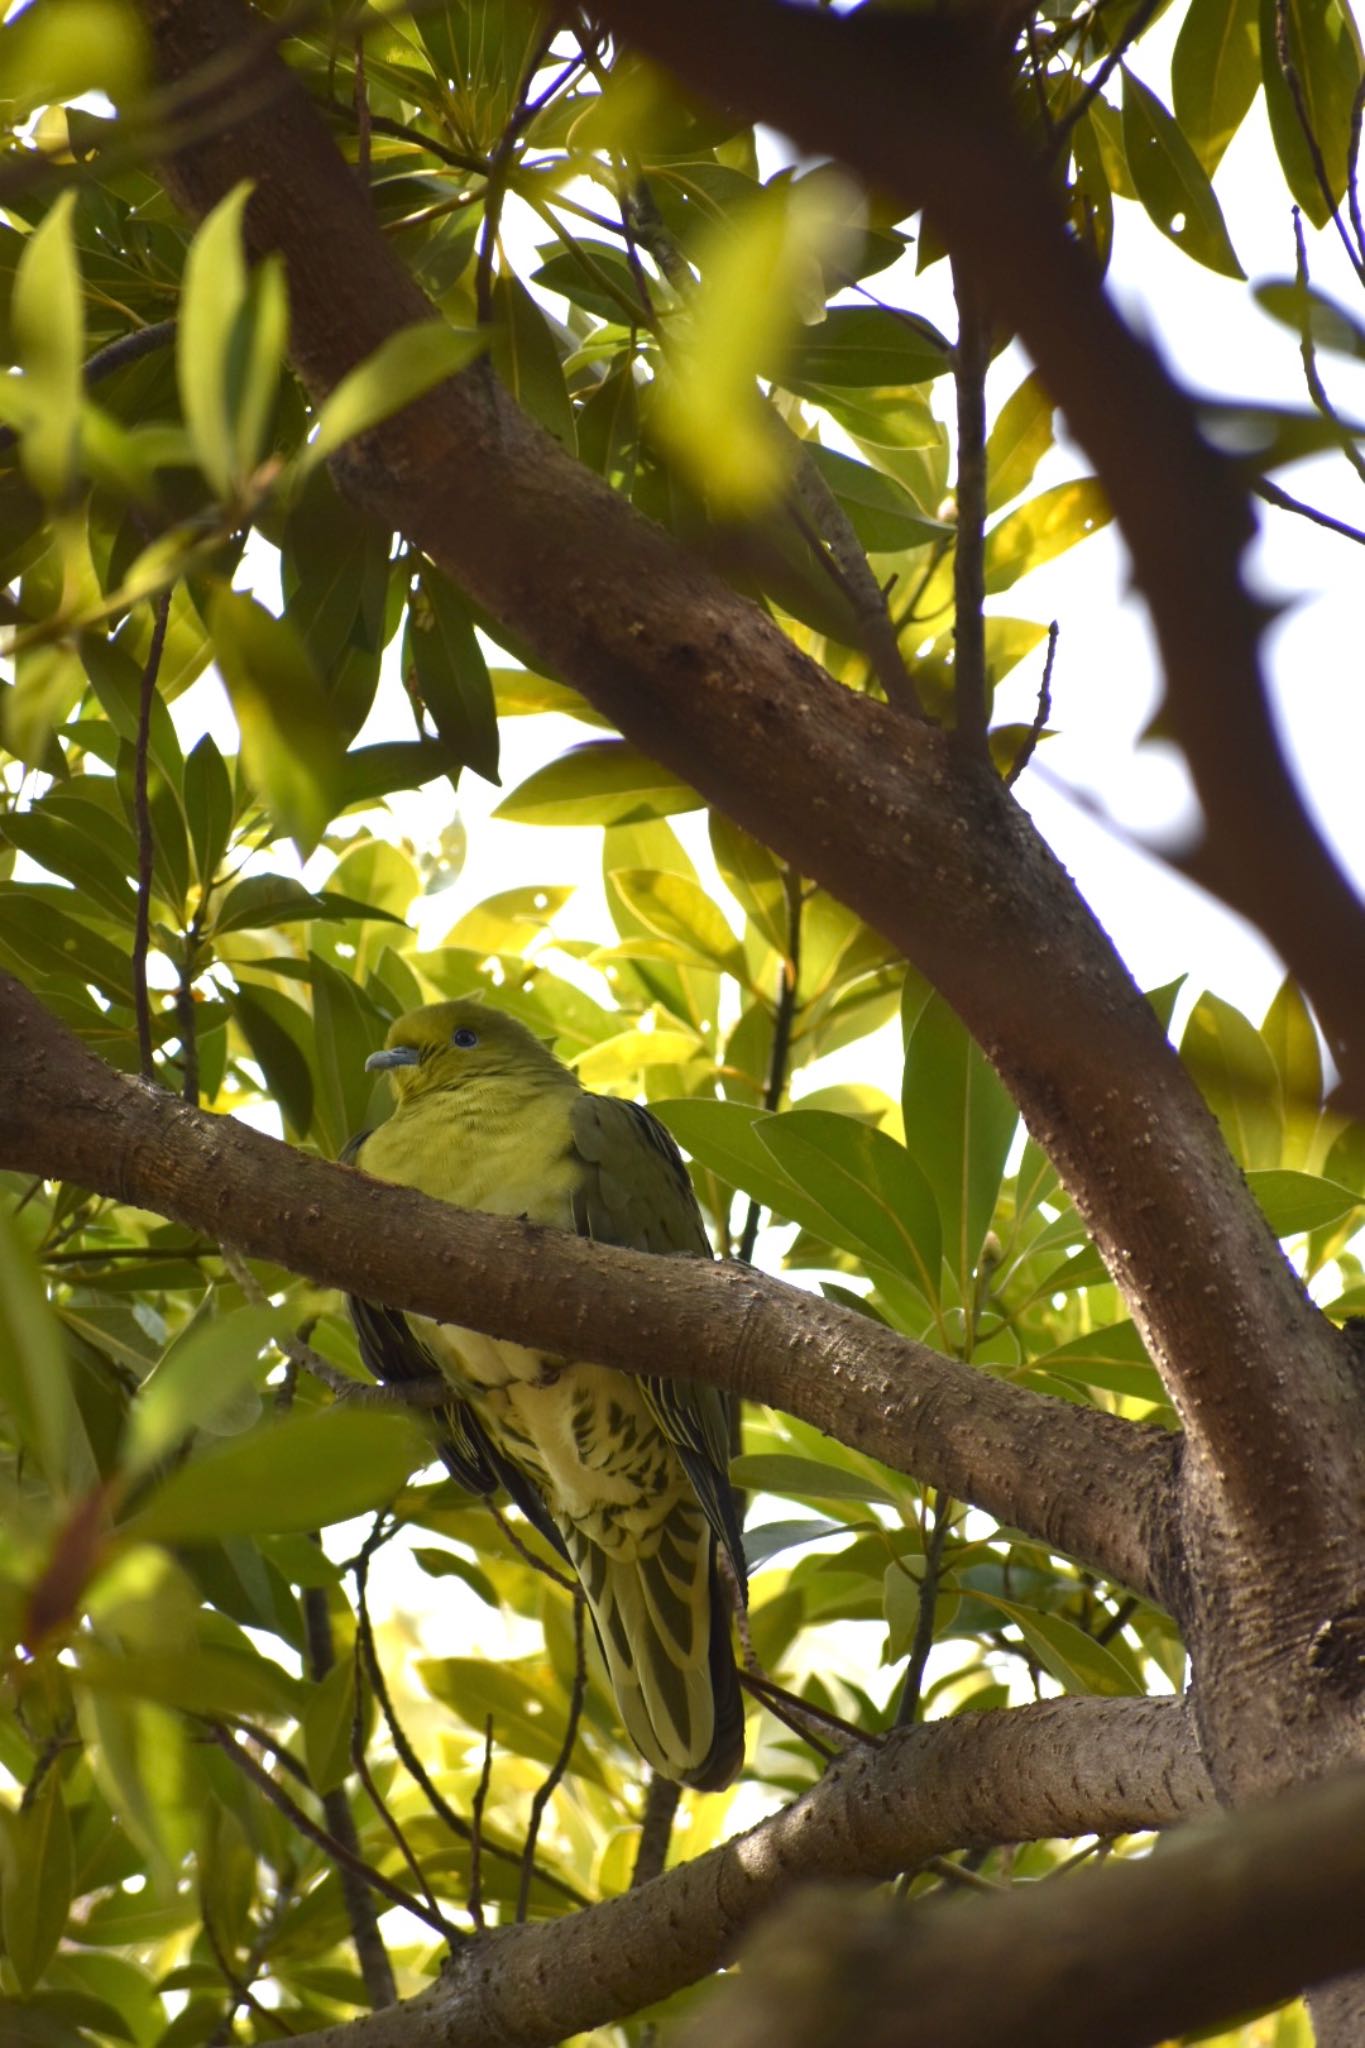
{"x": 1040, "y": 716}
{"x": 828, "y": 532}
{"x": 1119, "y": 1619}
{"x": 239, "y": 1987}
{"x": 1317, "y": 390}
{"x": 146, "y": 843}
{"x": 1273, "y": 495}
{"x": 907, "y": 1707}
{"x": 1128, "y": 35}
{"x": 959, "y": 1875}
{"x": 499, "y": 165}
{"x": 127, "y": 348}
{"x": 406, "y": 1754}
{"x": 1353, "y": 165}
{"x": 656, "y": 1829}
{"x": 224, "y": 2033}
{"x": 1289, "y": 70}
{"x": 539, "y": 1564}
{"x": 476, "y": 1831}
{"x": 970, "y": 360}
{"x": 373, "y": 1957}
{"x": 335, "y": 1851}
{"x": 544, "y": 1793}
{"x": 360, "y": 1765}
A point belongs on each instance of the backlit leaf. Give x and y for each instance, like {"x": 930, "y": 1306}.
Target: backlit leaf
{"x": 299, "y": 1473}
{"x": 1215, "y": 74}
{"x": 603, "y": 782}
{"x": 1172, "y": 183}
{"x": 290, "y": 745}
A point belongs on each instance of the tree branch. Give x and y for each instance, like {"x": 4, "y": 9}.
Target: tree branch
{"x": 1090, "y": 1484}
{"x": 917, "y": 104}
{"x": 1243, "y": 1911}
{"x": 887, "y": 815}
{"x": 1065, "y": 1767}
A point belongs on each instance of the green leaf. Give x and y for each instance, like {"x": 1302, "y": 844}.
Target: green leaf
{"x": 867, "y": 345}
{"x": 527, "y": 1719}
{"x": 1215, "y": 73}
{"x": 1171, "y": 182}
{"x": 596, "y": 276}
{"x": 48, "y": 55}
{"x": 1293, "y": 1202}
{"x": 901, "y": 1605}
{"x": 507, "y": 922}
{"x": 773, "y": 1539}
{"x": 35, "y": 1381}
{"x": 1043, "y": 527}
{"x": 1292, "y": 1040}
{"x": 1297, "y": 306}
{"x": 1074, "y": 1659}
{"x": 880, "y": 1201}
{"x": 277, "y": 1031}
{"x": 1018, "y": 441}
{"x": 291, "y": 749}
{"x": 297, "y": 1474}
{"x": 327, "y": 1723}
{"x": 1232, "y": 1065}
{"x": 199, "y": 1382}
{"x": 452, "y": 675}
{"x": 723, "y": 1136}
{"x": 527, "y": 360}
{"x": 48, "y": 321}
{"x": 347, "y": 1028}
{"x": 754, "y": 878}
{"x": 882, "y": 512}
{"x": 616, "y": 1061}
{"x": 959, "y": 1123}
{"x": 679, "y": 909}
{"x": 208, "y": 335}
{"x": 448, "y": 1564}
{"x": 208, "y": 807}
{"x": 36, "y": 1896}
{"x": 603, "y": 782}
{"x": 403, "y": 368}
{"x": 195, "y": 1679}
{"x": 805, "y": 1479}
{"x": 1323, "y": 48}
{"x": 1112, "y": 1358}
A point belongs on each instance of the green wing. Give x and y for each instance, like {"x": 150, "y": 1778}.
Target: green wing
{"x": 635, "y": 1191}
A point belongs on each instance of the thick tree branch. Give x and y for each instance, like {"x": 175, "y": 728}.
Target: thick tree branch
{"x": 926, "y": 845}
{"x": 918, "y": 105}
{"x": 1063, "y": 1768}
{"x": 1090, "y": 1484}
{"x": 1238, "y": 1913}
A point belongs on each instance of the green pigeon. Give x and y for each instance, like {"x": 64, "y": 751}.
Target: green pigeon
{"x": 626, "y": 1477}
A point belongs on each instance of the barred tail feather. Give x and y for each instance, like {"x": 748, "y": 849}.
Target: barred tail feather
{"x": 664, "y": 1628}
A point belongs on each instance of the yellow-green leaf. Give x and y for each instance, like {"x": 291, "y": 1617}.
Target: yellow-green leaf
{"x": 36, "y": 1895}
{"x": 1171, "y": 182}
{"x": 49, "y": 338}
{"x": 407, "y": 365}
{"x": 291, "y": 748}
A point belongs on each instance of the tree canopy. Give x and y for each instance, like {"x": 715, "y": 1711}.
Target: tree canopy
{"x": 425, "y": 370}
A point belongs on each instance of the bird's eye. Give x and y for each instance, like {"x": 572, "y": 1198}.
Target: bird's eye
{"x": 464, "y": 1037}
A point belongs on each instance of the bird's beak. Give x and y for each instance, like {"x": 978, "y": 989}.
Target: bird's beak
{"x": 394, "y": 1056}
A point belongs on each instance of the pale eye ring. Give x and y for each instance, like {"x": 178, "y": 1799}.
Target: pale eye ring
{"x": 464, "y": 1038}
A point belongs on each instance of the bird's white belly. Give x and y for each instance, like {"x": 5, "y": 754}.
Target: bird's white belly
{"x": 583, "y": 1431}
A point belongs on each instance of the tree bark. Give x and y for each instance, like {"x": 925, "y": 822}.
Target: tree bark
{"x": 1236, "y": 1913}
{"x": 1086, "y": 1483}
{"x": 1065, "y": 1767}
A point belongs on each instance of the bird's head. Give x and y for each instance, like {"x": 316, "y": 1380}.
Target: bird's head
{"x": 450, "y": 1045}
